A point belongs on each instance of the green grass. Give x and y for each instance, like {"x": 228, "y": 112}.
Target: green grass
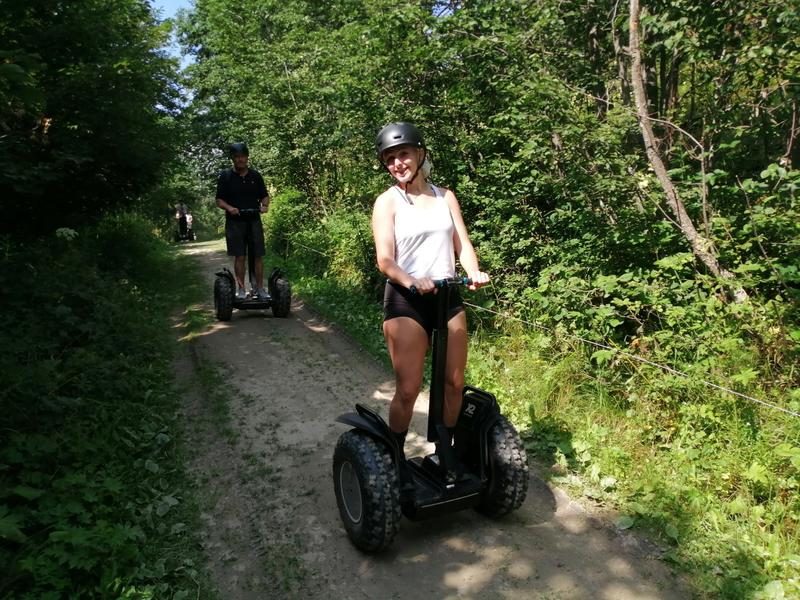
{"x": 704, "y": 478}
{"x": 94, "y": 498}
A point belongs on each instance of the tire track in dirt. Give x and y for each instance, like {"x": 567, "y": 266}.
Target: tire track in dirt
{"x": 271, "y": 525}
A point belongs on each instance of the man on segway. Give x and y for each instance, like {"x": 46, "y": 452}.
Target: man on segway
{"x": 240, "y": 193}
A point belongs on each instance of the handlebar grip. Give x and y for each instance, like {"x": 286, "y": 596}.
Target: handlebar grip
{"x": 440, "y": 283}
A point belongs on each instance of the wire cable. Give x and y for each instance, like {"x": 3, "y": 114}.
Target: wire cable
{"x": 640, "y": 359}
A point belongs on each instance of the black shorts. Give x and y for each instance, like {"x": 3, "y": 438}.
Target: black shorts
{"x": 238, "y": 231}
{"x": 398, "y": 301}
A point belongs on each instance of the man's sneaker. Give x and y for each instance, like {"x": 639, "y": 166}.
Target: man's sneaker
{"x": 262, "y": 294}
{"x": 241, "y": 294}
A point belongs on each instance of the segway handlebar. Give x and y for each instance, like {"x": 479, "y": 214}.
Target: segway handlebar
{"x": 249, "y": 212}
{"x": 448, "y": 282}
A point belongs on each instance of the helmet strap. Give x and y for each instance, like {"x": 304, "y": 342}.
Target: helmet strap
{"x": 419, "y": 167}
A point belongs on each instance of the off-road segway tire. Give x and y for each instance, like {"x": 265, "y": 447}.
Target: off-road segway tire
{"x": 367, "y": 490}
{"x": 508, "y": 471}
{"x": 223, "y": 298}
{"x": 281, "y": 298}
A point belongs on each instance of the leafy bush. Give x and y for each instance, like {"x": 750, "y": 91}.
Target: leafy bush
{"x": 288, "y": 216}
{"x": 338, "y": 245}
{"x": 350, "y": 248}
{"x": 91, "y": 490}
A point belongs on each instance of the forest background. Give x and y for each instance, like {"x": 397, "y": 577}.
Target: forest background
{"x": 604, "y": 264}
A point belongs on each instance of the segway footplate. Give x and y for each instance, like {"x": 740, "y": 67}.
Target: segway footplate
{"x": 432, "y": 496}
{"x": 252, "y": 304}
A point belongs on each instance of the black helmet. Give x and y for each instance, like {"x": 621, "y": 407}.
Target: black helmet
{"x": 238, "y": 148}
{"x": 398, "y": 134}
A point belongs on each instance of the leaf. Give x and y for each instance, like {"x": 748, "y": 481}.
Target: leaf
{"x": 608, "y": 483}
{"x": 581, "y": 445}
{"x": 165, "y": 504}
{"x": 676, "y": 261}
{"x": 625, "y": 522}
{"x": 748, "y": 268}
{"x": 772, "y": 591}
{"x": 738, "y": 506}
{"x": 603, "y": 356}
{"x": 745, "y": 376}
{"x": 27, "y": 492}
{"x": 10, "y": 526}
{"x": 790, "y": 452}
{"x": 626, "y": 276}
{"x": 671, "y": 531}
{"x": 12, "y": 72}
{"x": 757, "y": 473}
{"x": 787, "y": 451}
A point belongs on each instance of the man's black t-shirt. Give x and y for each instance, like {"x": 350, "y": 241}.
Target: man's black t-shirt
{"x": 241, "y": 191}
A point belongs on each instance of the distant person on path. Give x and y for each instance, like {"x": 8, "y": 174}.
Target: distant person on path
{"x": 419, "y": 231}
{"x": 241, "y": 187}
{"x": 180, "y": 215}
{"x": 189, "y": 221}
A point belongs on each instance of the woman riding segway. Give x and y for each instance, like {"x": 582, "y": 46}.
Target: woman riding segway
{"x": 479, "y": 460}
{"x": 418, "y": 230}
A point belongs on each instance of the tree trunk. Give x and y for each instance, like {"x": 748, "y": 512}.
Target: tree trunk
{"x": 622, "y": 63}
{"x": 702, "y": 248}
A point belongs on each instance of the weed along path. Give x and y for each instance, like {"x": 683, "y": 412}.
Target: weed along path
{"x": 261, "y": 397}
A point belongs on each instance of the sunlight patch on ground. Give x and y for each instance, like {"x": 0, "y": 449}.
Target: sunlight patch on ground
{"x": 199, "y": 248}
{"x": 418, "y": 558}
{"x": 318, "y": 327}
{"x": 469, "y": 578}
{"x": 218, "y": 326}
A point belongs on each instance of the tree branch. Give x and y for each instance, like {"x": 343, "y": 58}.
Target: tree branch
{"x": 702, "y": 248}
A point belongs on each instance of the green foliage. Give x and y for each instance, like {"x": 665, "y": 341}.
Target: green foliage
{"x": 181, "y": 184}
{"x": 87, "y": 94}
{"x": 92, "y": 495}
{"x": 288, "y": 217}
{"x": 712, "y": 479}
{"x": 337, "y": 245}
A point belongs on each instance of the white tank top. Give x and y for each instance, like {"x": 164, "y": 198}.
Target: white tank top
{"x": 423, "y": 237}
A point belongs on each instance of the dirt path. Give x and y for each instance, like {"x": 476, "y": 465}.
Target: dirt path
{"x": 271, "y": 526}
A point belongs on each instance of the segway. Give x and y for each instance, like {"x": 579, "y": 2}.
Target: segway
{"x": 486, "y": 467}
{"x": 279, "y": 291}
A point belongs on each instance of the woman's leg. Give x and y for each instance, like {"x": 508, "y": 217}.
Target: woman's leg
{"x": 408, "y": 343}
{"x": 456, "y": 363}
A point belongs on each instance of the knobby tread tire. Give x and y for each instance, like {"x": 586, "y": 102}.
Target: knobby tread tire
{"x": 223, "y": 298}
{"x": 281, "y": 298}
{"x": 508, "y": 471}
{"x": 379, "y": 489}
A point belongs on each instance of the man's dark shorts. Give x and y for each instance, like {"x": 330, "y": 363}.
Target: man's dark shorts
{"x": 237, "y": 232}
